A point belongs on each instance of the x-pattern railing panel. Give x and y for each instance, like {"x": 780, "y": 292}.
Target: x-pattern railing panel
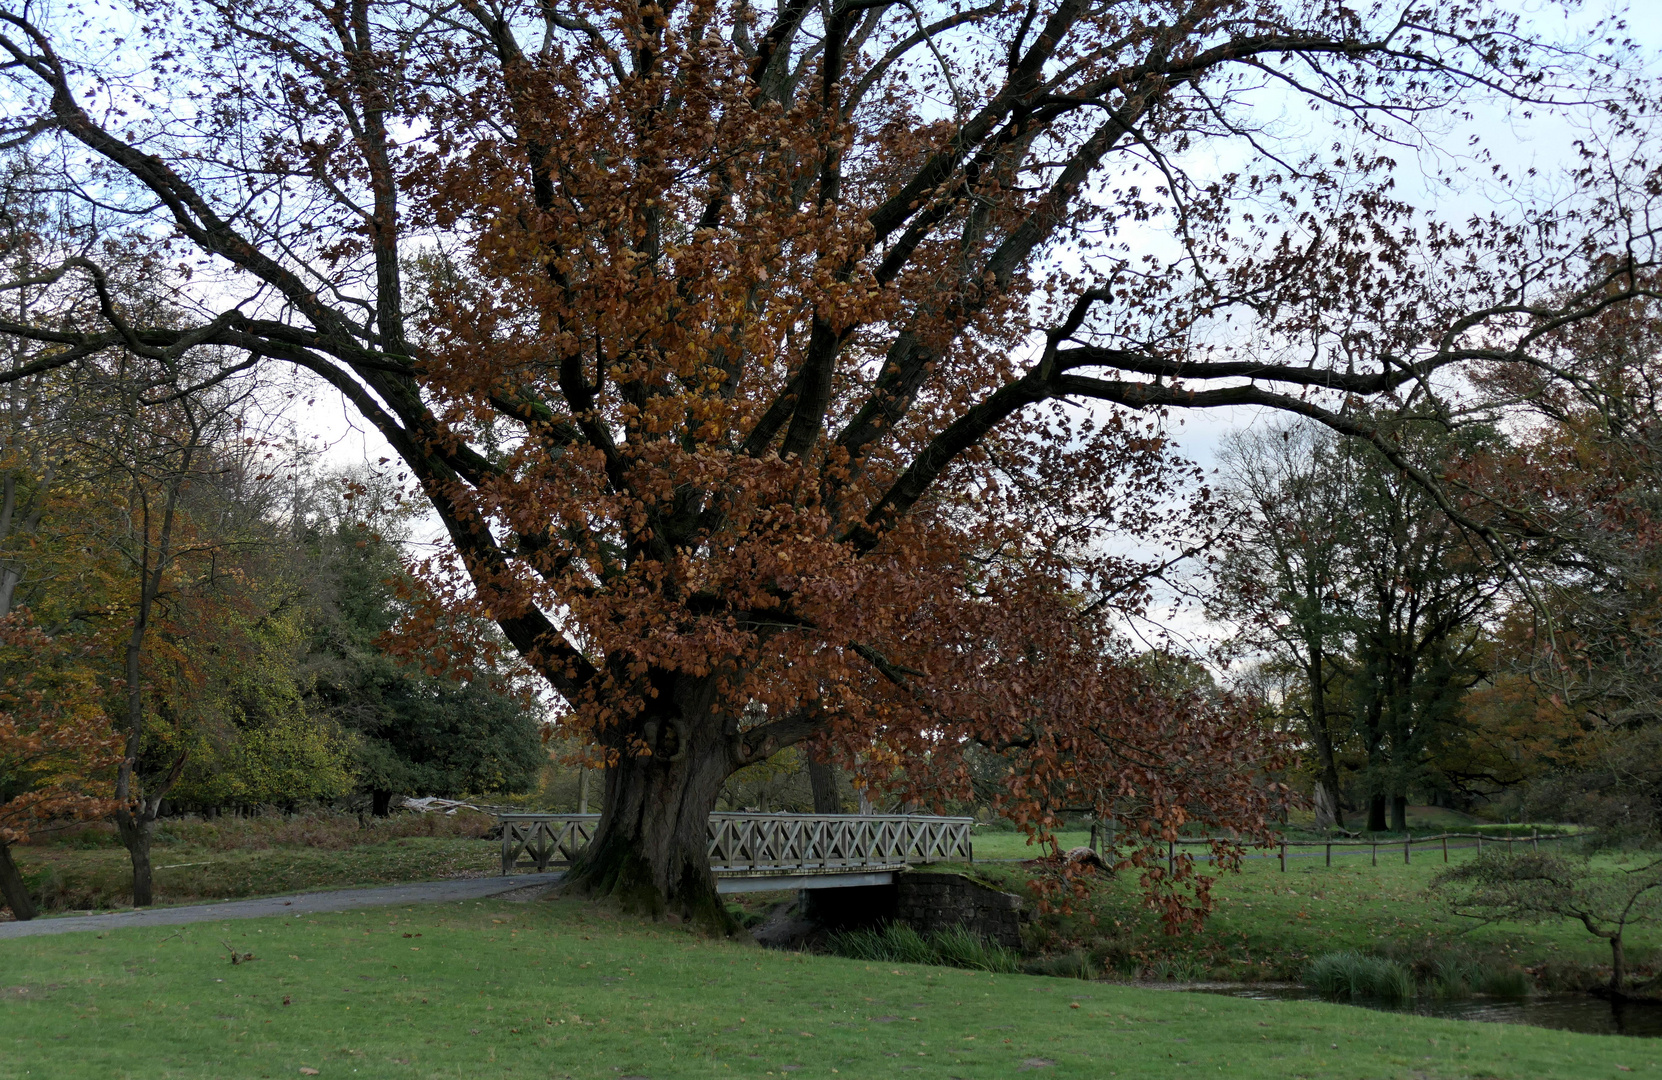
{"x": 762, "y": 843}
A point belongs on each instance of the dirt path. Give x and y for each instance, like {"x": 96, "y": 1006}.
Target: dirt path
{"x": 421, "y": 892}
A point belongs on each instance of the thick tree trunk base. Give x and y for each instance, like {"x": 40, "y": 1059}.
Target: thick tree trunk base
{"x": 650, "y": 854}
{"x": 1399, "y": 813}
{"x": 621, "y": 875}
{"x": 135, "y": 834}
{"x": 380, "y": 803}
{"x": 1376, "y": 813}
{"x": 13, "y": 889}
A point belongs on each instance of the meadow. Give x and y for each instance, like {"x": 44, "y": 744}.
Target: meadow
{"x": 562, "y": 989}
{"x": 230, "y": 858}
{"x": 1269, "y": 924}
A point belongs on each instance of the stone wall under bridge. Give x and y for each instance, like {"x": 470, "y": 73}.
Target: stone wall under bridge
{"x": 925, "y": 901}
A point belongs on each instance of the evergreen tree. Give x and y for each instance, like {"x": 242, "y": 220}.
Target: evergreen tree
{"x": 414, "y": 732}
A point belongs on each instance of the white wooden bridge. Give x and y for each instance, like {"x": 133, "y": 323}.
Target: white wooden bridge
{"x": 758, "y": 852}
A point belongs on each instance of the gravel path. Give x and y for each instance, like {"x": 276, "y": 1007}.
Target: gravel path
{"x": 421, "y": 892}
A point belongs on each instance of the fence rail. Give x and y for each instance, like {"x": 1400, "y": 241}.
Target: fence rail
{"x": 762, "y": 844}
{"x": 1407, "y": 844}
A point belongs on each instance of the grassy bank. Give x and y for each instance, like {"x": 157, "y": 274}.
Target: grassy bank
{"x": 216, "y": 860}
{"x": 563, "y": 990}
{"x": 1270, "y": 924}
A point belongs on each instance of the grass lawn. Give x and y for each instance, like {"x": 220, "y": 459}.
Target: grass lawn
{"x": 69, "y": 879}
{"x": 1268, "y": 924}
{"x": 85, "y": 867}
{"x": 561, "y": 989}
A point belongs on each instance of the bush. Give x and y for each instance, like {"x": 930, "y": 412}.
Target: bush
{"x": 897, "y": 943}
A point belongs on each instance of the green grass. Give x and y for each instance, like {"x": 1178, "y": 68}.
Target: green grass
{"x": 65, "y": 878}
{"x": 562, "y": 990}
{"x": 995, "y": 845}
{"x": 1270, "y": 925}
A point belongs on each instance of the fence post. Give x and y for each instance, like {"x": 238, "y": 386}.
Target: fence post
{"x": 1445, "y": 847}
{"x": 1283, "y": 856}
{"x": 1535, "y": 838}
{"x": 1406, "y": 841}
{"x": 1376, "y": 853}
{"x": 1480, "y": 843}
{"x": 1330, "y": 854}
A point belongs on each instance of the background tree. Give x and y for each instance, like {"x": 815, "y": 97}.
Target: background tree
{"x": 1582, "y": 656}
{"x": 1284, "y": 580}
{"x": 57, "y": 749}
{"x": 465, "y": 730}
{"x": 1349, "y": 573}
{"x": 736, "y": 354}
{"x": 1424, "y": 586}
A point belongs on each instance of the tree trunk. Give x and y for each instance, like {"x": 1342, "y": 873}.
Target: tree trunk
{"x": 1326, "y": 806}
{"x": 650, "y": 851}
{"x": 1399, "y": 813}
{"x": 1376, "y": 812}
{"x": 12, "y": 888}
{"x": 822, "y": 777}
{"x": 380, "y": 803}
{"x": 1329, "y": 814}
{"x": 136, "y": 828}
{"x": 1618, "y": 965}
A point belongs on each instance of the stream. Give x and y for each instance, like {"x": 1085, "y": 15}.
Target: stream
{"x": 1567, "y": 1012}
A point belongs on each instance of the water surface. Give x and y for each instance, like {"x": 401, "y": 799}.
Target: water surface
{"x": 1567, "y": 1012}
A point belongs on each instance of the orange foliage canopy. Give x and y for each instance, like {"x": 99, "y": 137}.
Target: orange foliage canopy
{"x": 57, "y": 750}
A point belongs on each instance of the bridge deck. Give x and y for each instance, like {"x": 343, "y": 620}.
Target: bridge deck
{"x": 747, "y": 850}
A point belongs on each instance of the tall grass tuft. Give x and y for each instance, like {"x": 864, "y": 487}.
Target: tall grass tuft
{"x": 1350, "y": 974}
{"x": 959, "y": 947}
{"x": 898, "y": 943}
{"x": 1504, "y": 982}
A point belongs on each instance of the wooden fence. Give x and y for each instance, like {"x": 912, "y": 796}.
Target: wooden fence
{"x": 1439, "y": 840}
{"x": 763, "y": 844}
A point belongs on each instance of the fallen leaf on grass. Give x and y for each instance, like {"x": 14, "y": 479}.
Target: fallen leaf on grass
{"x": 306, "y": 1070}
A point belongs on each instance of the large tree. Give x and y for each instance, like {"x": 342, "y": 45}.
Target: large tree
{"x": 742, "y": 353}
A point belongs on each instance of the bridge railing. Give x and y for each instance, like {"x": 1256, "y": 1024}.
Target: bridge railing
{"x": 762, "y": 843}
